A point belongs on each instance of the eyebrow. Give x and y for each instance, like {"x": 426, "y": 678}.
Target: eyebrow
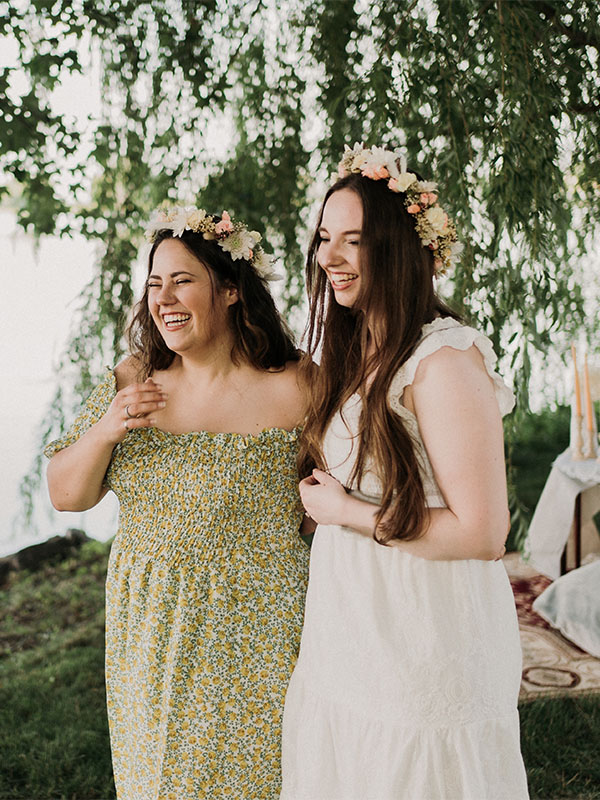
{"x": 172, "y": 275}
{"x": 344, "y": 233}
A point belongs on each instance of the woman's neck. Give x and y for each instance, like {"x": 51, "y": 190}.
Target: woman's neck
{"x": 208, "y": 364}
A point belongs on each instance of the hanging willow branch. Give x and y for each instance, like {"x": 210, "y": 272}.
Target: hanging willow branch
{"x": 246, "y": 106}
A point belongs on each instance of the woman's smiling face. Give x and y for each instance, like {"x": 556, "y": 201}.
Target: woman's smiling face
{"x": 339, "y": 247}
{"x": 187, "y": 310}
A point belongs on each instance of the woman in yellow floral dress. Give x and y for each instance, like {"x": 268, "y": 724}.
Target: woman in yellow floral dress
{"x": 196, "y": 433}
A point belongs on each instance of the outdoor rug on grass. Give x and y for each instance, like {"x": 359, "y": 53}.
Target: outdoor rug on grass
{"x": 552, "y": 665}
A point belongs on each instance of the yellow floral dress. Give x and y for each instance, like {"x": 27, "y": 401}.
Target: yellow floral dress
{"x": 204, "y": 604}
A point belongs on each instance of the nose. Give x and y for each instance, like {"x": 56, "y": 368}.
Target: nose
{"x": 164, "y": 296}
{"x": 328, "y": 254}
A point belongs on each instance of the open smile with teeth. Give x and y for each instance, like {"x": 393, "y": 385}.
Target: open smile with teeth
{"x": 175, "y": 320}
{"x": 342, "y": 279}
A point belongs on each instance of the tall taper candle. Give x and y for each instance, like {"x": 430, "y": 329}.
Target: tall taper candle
{"x": 577, "y": 387}
{"x": 589, "y": 408}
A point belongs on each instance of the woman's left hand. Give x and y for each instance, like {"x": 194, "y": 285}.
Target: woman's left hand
{"x": 324, "y": 498}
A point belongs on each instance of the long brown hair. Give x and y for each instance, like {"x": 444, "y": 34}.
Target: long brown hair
{"x": 397, "y": 291}
{"x": 261, "y": 337}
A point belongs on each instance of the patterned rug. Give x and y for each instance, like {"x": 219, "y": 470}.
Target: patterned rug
{"x": 552, "y": 665}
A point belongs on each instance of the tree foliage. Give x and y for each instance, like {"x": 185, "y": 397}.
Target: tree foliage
{"x": 246, "y": 105}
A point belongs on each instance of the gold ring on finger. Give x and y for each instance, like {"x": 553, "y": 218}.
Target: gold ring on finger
{"x": 125, "y": 425}
{"x": 129, "y": 416}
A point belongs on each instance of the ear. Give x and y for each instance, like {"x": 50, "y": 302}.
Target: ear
{"x": 231, "y": 295}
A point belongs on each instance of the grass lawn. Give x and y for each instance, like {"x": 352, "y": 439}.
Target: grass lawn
{"x": 560, "y": 740}
{"x": 53, "y": 728}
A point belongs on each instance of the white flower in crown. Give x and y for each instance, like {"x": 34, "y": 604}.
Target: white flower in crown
{"x": 437, "y": 219}
{"x": 263, "y": 264}
{"x": 351, "y": 160}
{"x": 159, "y": 221}
{"x": 180, "y": 223}
{"x": 402, "y": 182}
{"x": 239, "y": 244}
{"x": 195, "y": 218}
{"x": 377, "y": 162}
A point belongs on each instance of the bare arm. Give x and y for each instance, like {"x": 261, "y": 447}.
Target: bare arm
{"x": 454, "y": 401}
{"x": 76, "y": 474}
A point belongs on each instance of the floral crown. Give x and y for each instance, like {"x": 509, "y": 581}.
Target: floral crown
{"x": 435, "y": 230}
{"x": 233, "y": 237}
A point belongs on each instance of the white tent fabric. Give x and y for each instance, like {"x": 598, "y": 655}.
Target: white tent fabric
{"x": 553, "y": 516}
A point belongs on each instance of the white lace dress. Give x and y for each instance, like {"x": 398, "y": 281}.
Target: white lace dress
{"x": 408, "y": 676}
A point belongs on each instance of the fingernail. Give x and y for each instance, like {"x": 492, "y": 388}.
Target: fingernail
{"x": 162, "y": 405}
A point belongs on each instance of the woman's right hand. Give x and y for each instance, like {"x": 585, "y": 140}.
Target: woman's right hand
{"x": 131, "y": 408}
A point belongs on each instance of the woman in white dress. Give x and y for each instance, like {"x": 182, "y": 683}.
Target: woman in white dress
{"x": 410, "y": 662}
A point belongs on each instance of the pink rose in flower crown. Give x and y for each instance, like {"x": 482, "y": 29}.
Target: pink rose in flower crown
{"x": 225, "y": 225}
{"x": 375, "y": 172}
{"x": 428, "y": 198}
{"x": 414, "y": 208}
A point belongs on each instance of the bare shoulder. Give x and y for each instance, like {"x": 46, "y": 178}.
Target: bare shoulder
{"x": 285, "y": 389}
{"x": 127, "y": 372}
{"x": 287, "y": 379}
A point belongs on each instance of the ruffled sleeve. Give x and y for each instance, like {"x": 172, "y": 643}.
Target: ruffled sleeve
{"x": 93, "y": 409}
{"x": 447, "y": 332}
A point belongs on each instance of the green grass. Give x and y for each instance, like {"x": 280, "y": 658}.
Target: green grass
{"x": 53, "y": 730}
{"x": 53, "y": 726}
{"x": 560, "y": 740}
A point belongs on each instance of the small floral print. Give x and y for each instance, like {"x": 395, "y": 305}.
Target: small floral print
{"x": 205, "y": 595}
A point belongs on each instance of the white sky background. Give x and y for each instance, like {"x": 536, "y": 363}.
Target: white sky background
{"x": 41, "y": 286}
{"x": 40, "y": 292}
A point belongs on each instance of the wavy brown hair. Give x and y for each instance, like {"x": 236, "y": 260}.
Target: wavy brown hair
{"x": 261, "y": 337}
{"x": 397, "y": 291}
